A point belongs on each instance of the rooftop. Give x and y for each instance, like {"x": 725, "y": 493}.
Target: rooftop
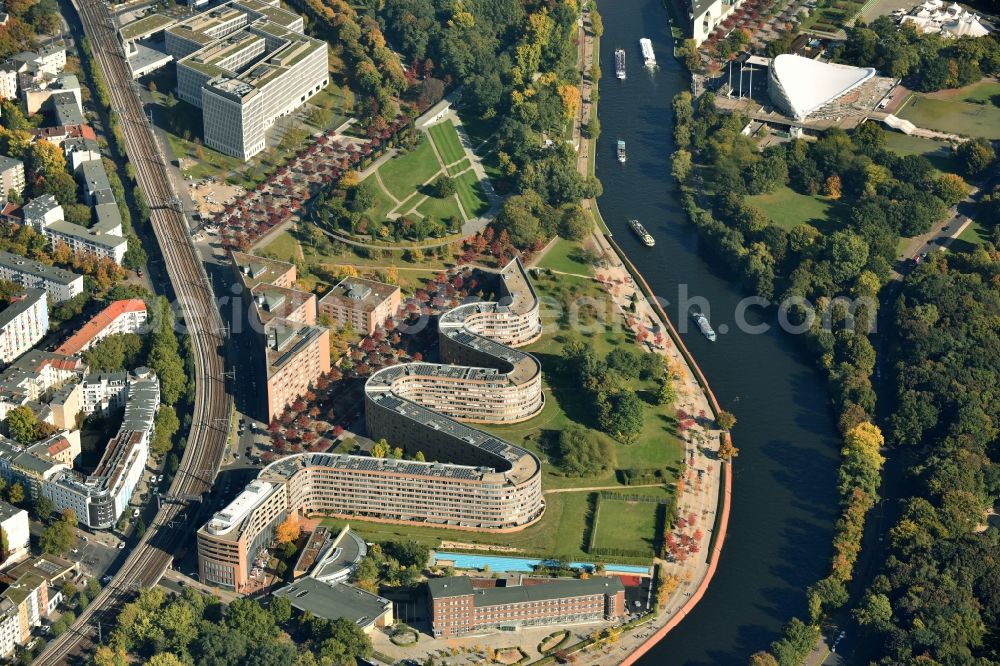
{"x": 335, "y": 601}
{"x": 460, "y": 586}
{"x": 146, "y": 26}
{"x": 89, "y": 331}
{"x": 359, "y": 293}
{"x": 31, "y": 267}
{"x": 21, "y": 304}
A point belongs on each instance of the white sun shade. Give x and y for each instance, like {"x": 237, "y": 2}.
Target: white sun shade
{"x": 801, "y": 85}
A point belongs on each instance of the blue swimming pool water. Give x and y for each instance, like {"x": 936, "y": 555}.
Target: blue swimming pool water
{"x": 521, "y": 564}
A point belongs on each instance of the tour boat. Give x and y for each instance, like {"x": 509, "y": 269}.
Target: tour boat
{"x": 640, "y": 231}
{"x": 621, "y": 151}
{"x": 703, "y": 325}
{"x": 647, "y": 52}
{"x": 620, "y": 63}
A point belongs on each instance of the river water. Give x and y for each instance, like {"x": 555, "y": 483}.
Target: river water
{"x": 784, "y": 496}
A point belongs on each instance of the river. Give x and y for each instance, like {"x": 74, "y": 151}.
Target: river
{"x": 784, "y": 496}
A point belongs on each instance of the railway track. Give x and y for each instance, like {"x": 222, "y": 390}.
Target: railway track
{"x": 199, "y": 465}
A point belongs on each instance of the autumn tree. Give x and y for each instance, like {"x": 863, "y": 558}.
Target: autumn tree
{"x": 725, "y": 420}
{"x": 289, "y": 530}
{"x": 726, "y": 450}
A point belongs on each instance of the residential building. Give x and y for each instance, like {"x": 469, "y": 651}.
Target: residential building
{"x": 23, "y": 322}
{"x": 37, "y": 91}
{"x": 485, "y": 484}
{"x": 46, "y": 215}
{"x": 101, "y": 498}
{"x": 245, "y": 63}
{"x": 54, "y": 570}
{"x": 11, "y": 174}
{"x": 457, "y": 608}
{"x": 295, "y": 351}
{"x": 8, "y": 83}
{"x": 104, "y": 391}
{"x": 58, "y": 283}
{"x": 364, "y": 304}
{"x": 22, "y": 606}
{"x": 40, "y": 377}
{"x": 125, "y": 316}
{"x": 14, "y": 523}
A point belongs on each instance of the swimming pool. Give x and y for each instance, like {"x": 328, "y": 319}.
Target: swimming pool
{"x": 522, "y": 564}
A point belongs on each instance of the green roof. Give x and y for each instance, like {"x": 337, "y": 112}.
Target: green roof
{"x": 146, "y": 25}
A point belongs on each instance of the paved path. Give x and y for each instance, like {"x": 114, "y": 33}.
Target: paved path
{"x": 623, "y": 489}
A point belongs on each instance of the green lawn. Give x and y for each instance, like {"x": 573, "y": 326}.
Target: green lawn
{"x": 788, "y": 209}
{"x": 282, "y": 247}
{"x": 404, "y": 174}
{"x": 456, "y": 169}
{"x": 558, "y": 534}
{"x": 937, "y": 152}
{"x": 975, "y": 234}
{"x": 627, "y": 525}
{"x": 977, "y": 120}
{"x": 470, "y": 192}
{"x": 383, "y": 203}
{"x": 446, "y": 139}
{"x": 440, "y": 209}
{"x": 984, "y": 92}
{"x": 563, "y": 256}
{"x": 410, "y": 203}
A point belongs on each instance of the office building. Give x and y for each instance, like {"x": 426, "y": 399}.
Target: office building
{"x": 46, "y": 215}
{"x": 706, "y": 15}
{"x": 14, "y": 523}
{"x": 364, "y": 304}
{"x": 457, "y": 608}
{"x": 482, "y": 482}
{"x": 245, "y": 64}
{"x": 11, "y": 174}
{"x": 125, "y": 316}
{"x": 23, "y": 322}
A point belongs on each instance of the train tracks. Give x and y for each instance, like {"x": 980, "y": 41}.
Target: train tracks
{"x": 152, "y": 555}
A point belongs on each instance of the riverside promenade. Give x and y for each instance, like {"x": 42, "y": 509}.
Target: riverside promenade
{"x": 704, "y": 489}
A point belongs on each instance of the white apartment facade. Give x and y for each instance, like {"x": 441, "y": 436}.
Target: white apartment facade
{"x": 23, "y": 323}
{"x": 59, "y": 284}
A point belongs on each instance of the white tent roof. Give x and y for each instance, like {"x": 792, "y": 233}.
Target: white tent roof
{"x": 807, "y": 84}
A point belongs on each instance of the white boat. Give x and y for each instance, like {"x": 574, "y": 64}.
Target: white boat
{"x": 621, "y": 151}
{"x": 647, "y": 52}
{"x": 703, "y": 325}
{"x": 640, "y": 231}
{"x": 620, "y": 64}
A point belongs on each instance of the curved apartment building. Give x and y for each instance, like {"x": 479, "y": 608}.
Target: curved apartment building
{"x": 475, "y": 480}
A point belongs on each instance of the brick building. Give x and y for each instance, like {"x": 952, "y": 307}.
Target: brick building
{"x": 364, "y": 304}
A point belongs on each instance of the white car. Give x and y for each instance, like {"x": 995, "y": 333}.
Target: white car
{"x": 135, "y": 513}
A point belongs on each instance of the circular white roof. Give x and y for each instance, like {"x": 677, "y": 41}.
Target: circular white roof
{"x": 806, "y": 85}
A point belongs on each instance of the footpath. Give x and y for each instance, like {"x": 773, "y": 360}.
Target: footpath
{"x": 704, "y": 489}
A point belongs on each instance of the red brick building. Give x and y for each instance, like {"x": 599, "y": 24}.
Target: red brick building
{"x": 457, "y": 608}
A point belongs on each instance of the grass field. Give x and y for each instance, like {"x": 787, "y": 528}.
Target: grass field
{"x": 558, "y": 534}
{"x": 404, "y": 174}
{"x": 440, "y": 209}
{"x": 411, "y": 203}
{"x": 283, "y": 247}
{"x": 975, "y": 234}
{"x": 628, "y": 525}
{"x": 563, "y": 256}
{"x": 984, "y": 92}
{"x": 937, "y": 152}
{"x": 446, "y": 140}
{"x": 978, "y": 120}
{"x": 470, "y": 192}
{"x": 456, "y": 169}
{"x": 788, "y": 209}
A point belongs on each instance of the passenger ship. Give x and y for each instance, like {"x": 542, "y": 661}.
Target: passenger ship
{"x": 640, "y": 231}
{"x": 621, "y": 151}
{"x": 620, "y": 64}
{"x": 647, "y": 52}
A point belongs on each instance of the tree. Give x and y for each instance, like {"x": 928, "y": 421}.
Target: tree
{"x": 725, "y": 420}
{"x": 665, "y": 393}
{"x": 975, "y": 156}
{"x": 247, "y": 617}
{"x": 876, "y": 612}
{"x": 289, "y": 530}
{"x": 166, "y": 424}
{"x": 280, "y": 609}
{"x": 763, "y": 659}
{"x": 681, "y": 165}
{"x": 59, "y": 537}
{"x": 164, "y": 659}
{"x": 408, "y": 553}
{"x": 216, "y": 646}
{"x": 15, "y": 493}
{"x": 444, "y": 186}
{"x": 951, "y": 188}
{"x": 726, "y": 449}
{"x": 22, "y": 424}
{"x": 381, "y": 449}
{"x": 584, "y": 452}
{"x": 620, "y": 414}
{"x": 574, "y": 223}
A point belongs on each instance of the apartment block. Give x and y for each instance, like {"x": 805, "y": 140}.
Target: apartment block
{"x": 23, "y": 323}
{"x": 38, "y": 378}
{"x": 100, "y": 392}
{"x": 125, "y": 316}
{"x": 245, "y": 64}
{"x": 11, "y": 174}
{"x": 58, "y": 283}
{"x": 23, "y": 604}
{"x": 364, "y": 304}
{"x": 14, "y": 523}
{"x": 457, "y": 608}
{"x": 46, "y": 215}
{"x": 295, "y": 356}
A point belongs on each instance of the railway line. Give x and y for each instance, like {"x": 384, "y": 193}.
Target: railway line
{"x": 199, "y": 465}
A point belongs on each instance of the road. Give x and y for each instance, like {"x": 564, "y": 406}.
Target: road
{"x": 152, "y": 555}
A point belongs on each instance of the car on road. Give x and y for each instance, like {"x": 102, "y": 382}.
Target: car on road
{"x": 106, "y": 579}
{"x": 121, "y": 545}
{"x": 135, "y": 513}
{"x": 159, "y": 478}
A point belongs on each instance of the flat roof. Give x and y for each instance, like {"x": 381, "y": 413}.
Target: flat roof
{"x": 16, "y": 262}
{"x": 360, "y": 293}
{"x": 460, "y": 586}
{"x": 335, "y": 601}
{"x": 24, "y": 302}
{"x": 146, "y": 26}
